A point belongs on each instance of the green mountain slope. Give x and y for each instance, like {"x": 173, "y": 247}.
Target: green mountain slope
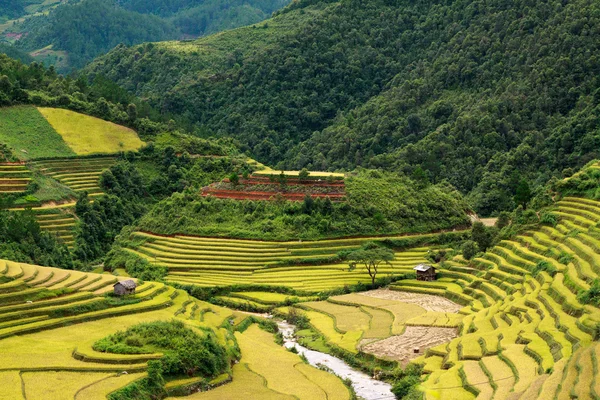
{"x": 108, "y": 23}
{"x": 481, "y": 94}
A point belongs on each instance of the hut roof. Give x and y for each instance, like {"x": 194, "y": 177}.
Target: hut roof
{"x": 128, "y": 284}
{"x": 422, "y": 267}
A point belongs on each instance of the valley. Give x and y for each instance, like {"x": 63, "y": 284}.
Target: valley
{"x": 299, "y": 200}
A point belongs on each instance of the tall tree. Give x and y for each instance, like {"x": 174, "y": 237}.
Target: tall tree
{"x": 370, "y": 256}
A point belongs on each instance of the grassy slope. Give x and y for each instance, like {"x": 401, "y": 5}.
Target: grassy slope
{"x": 24, "y": 128}
{"x": 90, "y": 135}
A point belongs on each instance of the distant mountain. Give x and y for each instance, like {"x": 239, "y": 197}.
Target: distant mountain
{"x": 74, "y": 33}
{"x": 482, "y": 94}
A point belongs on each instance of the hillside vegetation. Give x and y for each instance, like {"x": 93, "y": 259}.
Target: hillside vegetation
{"x": 29, "y": 135}
{"x": 109, "y": 23}
{"x": 32, "y": 133}
{"x": 377, "y": 204}
{"x": 480, "y": 94}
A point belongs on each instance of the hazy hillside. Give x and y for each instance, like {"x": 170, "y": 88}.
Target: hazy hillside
{"x": 108, "y": 23}
{"x": 481, "y": 94}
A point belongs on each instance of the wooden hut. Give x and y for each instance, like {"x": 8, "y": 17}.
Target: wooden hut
{"x": 123, "y": 288}
{"x": 425, "y": 272}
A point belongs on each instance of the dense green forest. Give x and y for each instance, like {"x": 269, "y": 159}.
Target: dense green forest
{"x": 481, "y": 94}
{"x": 109, "y": 23}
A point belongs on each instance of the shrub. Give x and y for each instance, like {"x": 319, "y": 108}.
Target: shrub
{"x": 592, "y": 295}
{"x": 549, "y": 219}
{"x": 404, "y": 386}
{"x": 185, "y": 351}
{"x": 469, "y": 249}
{"x": 565, "y": 258}
{"x": 545, "y": 266}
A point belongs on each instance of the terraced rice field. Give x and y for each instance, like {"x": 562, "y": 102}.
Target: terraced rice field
{"x": 60, "y": 223}
{"x": 14, "y": 178}
{"x": 380, "y": 322}
{"x": 50, "y": 318}
{"x": 260, "y": 187}
{"x": 524, "y": 335}
{"x": 48, "y": 324}
{"x": 79, "y": 174}
{"x": 58, "y": 219}
{"x": 226, "y": 262}
{"x": 87, "y": 135}
{"x": 268, "y": 371}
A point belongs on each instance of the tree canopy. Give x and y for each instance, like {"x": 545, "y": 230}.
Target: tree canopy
{"x": 370, "y": 256}
{"x": 470, "y": 91}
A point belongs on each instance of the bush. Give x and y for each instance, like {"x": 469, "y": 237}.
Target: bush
{"x": 404, "y": 386}
{"x": 549, "y": 219}
{"x": 469, "y": 249}
{"x": 185, "y": 351}
{"x": 592, "y": 295}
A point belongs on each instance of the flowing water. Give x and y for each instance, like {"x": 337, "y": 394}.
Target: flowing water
{"x": 365, "y": 387}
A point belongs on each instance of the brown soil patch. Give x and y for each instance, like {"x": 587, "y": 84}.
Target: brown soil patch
{"x": 401, "y": 348}
{"x": 427, "y": 301}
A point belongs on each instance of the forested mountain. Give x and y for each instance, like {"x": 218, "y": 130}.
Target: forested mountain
{"x": 108, "y": 23}
{"x": 480, "y": 93}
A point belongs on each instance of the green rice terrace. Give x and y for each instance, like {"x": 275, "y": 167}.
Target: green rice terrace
{"x": 78, "y": 174}
{"x": 14, "y": 178}
{"x": 300, "y": 265}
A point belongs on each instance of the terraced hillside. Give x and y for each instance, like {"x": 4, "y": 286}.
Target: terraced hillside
{"x": 79, "y": 174}
{"x": 224, "y": 262}
{"x": 526, "y": 335}
{"x": 14, "y": 178}
{"x": 58, "y": 222}
{"x": 261, "y": 187}
{"x": 50, "y": 319}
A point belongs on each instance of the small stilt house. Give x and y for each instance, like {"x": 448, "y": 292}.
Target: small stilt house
{"x": 425, "y": 272}
{"x": 124, "y": 287}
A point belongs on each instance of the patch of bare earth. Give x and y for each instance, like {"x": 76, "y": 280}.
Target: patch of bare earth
{"x": 427, "y": 301}
{"x": 401, "y": 348}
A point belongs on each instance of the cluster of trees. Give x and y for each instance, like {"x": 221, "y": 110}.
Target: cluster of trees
{"x": 102, "y": 220}
{"x": 22, "y": 240}
{"x": 377, "y": 203}
{"x": 133, "y": 186}
{"x": 481, "y": 94}
{"x": 185, "y": 352}
{"x": 109, "y": 23}
{"x": 14, "y": 8}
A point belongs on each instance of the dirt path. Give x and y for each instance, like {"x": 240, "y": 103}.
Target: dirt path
{"x": 401, "y": 348}
{"x": 427, "y": 301}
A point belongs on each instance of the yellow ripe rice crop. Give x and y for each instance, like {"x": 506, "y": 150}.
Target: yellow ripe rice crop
{"x": 101, "y": 389}
{"x": 89, "y": 135}
{"x": 328, "y": 382}
{"x": 347, "y": 318}
{"x": 326, "y": 325}
{"x": 380, "y": 325}
{"x": 478, "y": 378}
{"x": 448, "y": 386}
{"x": 246, "y": 384}
{"x": 58, "y": 385}
{"x": 271, "y": 298}
{"x": 10, "y": 384}
{"x": 277, "y": 367}
{"x": 586, "y": 374}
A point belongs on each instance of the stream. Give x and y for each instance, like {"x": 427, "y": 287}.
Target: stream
{"x": 365, "y": 387}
